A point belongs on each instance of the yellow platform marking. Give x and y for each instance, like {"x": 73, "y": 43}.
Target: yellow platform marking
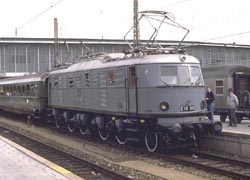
{"x": 60, "y": 169}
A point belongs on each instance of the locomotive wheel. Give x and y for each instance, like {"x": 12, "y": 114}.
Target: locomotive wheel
{"x": 58, "y": 122}
{"x": 104, "y": 133}
{"x": 83, "y": 126}
{"x": 71, "y": 125}
{"x": 151, "y": 140}
{"x": 121, "y": 137}
{"x": 93, "y": 128}
{"x": 82, "y": 129}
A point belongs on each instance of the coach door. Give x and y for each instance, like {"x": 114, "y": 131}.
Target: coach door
{"x": 132, "y": 104}
{"x": 242, "y": 88}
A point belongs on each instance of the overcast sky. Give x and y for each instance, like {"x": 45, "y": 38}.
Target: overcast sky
{"x": 224, "y": 21}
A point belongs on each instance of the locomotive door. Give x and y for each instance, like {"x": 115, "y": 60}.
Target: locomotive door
{"x": 132, "y": 90}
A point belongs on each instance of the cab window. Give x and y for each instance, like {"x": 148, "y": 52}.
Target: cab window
{"x": 168, "y": 75}
{"x": 196, "y": 77}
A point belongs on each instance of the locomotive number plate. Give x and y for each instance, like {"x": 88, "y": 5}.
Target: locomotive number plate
{"x": 187, "y": 108}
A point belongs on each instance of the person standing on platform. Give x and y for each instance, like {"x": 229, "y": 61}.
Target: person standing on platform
{"x": 210, "y": 103}
{"x": 232, "y": 103}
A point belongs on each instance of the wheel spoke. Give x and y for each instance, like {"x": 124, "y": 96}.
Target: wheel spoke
{"x": 104, "y": 133}
{"x": 71, "y": 126}
{"x": 121, "y": 137}
{"x": 83, "y": 129}
{"x": 58, "y": 123}
{"x": 151, "y": 140}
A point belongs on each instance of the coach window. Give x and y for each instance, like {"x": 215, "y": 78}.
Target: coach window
{"x": 11, "y": 91}
{"x": 4, "y": 90}
{"x": 32, "y": 90}
{"x": 7, "y": 91}
{"x": 15, "y": 90}
{"x": 27, "y": 89}
{"x": 111, "y": 78}
{"x": 19, "y": 90}
{"x": 1, "y": 90}
{"x": 219, "y": 87}
{"x": 87, "y": 79}
{"x": 23, "y": 90}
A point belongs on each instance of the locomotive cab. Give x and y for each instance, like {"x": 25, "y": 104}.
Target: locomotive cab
{"x": 171, "y": 97}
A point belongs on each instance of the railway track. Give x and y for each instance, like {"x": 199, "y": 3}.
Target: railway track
{"x": 231, "y": 167}
{"x": 234, "y": 168}
{"x": 76, "y": 165}
{"x": 208, "y": 162}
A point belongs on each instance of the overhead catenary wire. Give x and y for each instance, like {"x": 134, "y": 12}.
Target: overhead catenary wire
{"x": 173, "y": 4}
{"x": 37, "y": 16}
{"x": 226, "y": 36}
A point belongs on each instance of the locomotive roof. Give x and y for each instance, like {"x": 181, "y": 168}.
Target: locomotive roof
{"x": 224, "y": 70}
{"x": 24, "y": 79}
{"x": 122, "y": 60}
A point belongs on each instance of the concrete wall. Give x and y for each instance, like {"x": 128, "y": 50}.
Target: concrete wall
{"x": 234, "y": 144}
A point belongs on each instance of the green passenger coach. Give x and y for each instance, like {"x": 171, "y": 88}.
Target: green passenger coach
{"x": 24, "y": 95}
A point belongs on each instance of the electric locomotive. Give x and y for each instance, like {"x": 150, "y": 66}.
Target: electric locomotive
{"x": 155, "y": 95}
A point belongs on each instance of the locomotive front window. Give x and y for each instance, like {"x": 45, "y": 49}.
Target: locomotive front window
{"x": 184, "y": 76}
{"x": 168, "y": 75}
{"x": 196, "y": 77}
{"x": 190, "y": 76}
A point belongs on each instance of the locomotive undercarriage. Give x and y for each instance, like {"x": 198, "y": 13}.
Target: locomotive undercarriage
{"x": 126, "y": 129}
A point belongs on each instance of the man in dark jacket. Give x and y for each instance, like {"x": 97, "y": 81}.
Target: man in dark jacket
{"x": 210, "y": 103}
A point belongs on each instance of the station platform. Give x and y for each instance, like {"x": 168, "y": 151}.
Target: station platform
{"x": 233, "y": 141}
{"x": 18, "y": 163}
{"x": 241, "y": 128}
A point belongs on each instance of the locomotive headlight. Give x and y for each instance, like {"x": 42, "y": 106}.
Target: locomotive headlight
{"x": 182, "y": 58}
{"x": 203, "y": 105}
{"x": 164, "y": 106}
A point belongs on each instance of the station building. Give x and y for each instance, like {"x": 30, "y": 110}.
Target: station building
{"x": 20, "y": 56}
